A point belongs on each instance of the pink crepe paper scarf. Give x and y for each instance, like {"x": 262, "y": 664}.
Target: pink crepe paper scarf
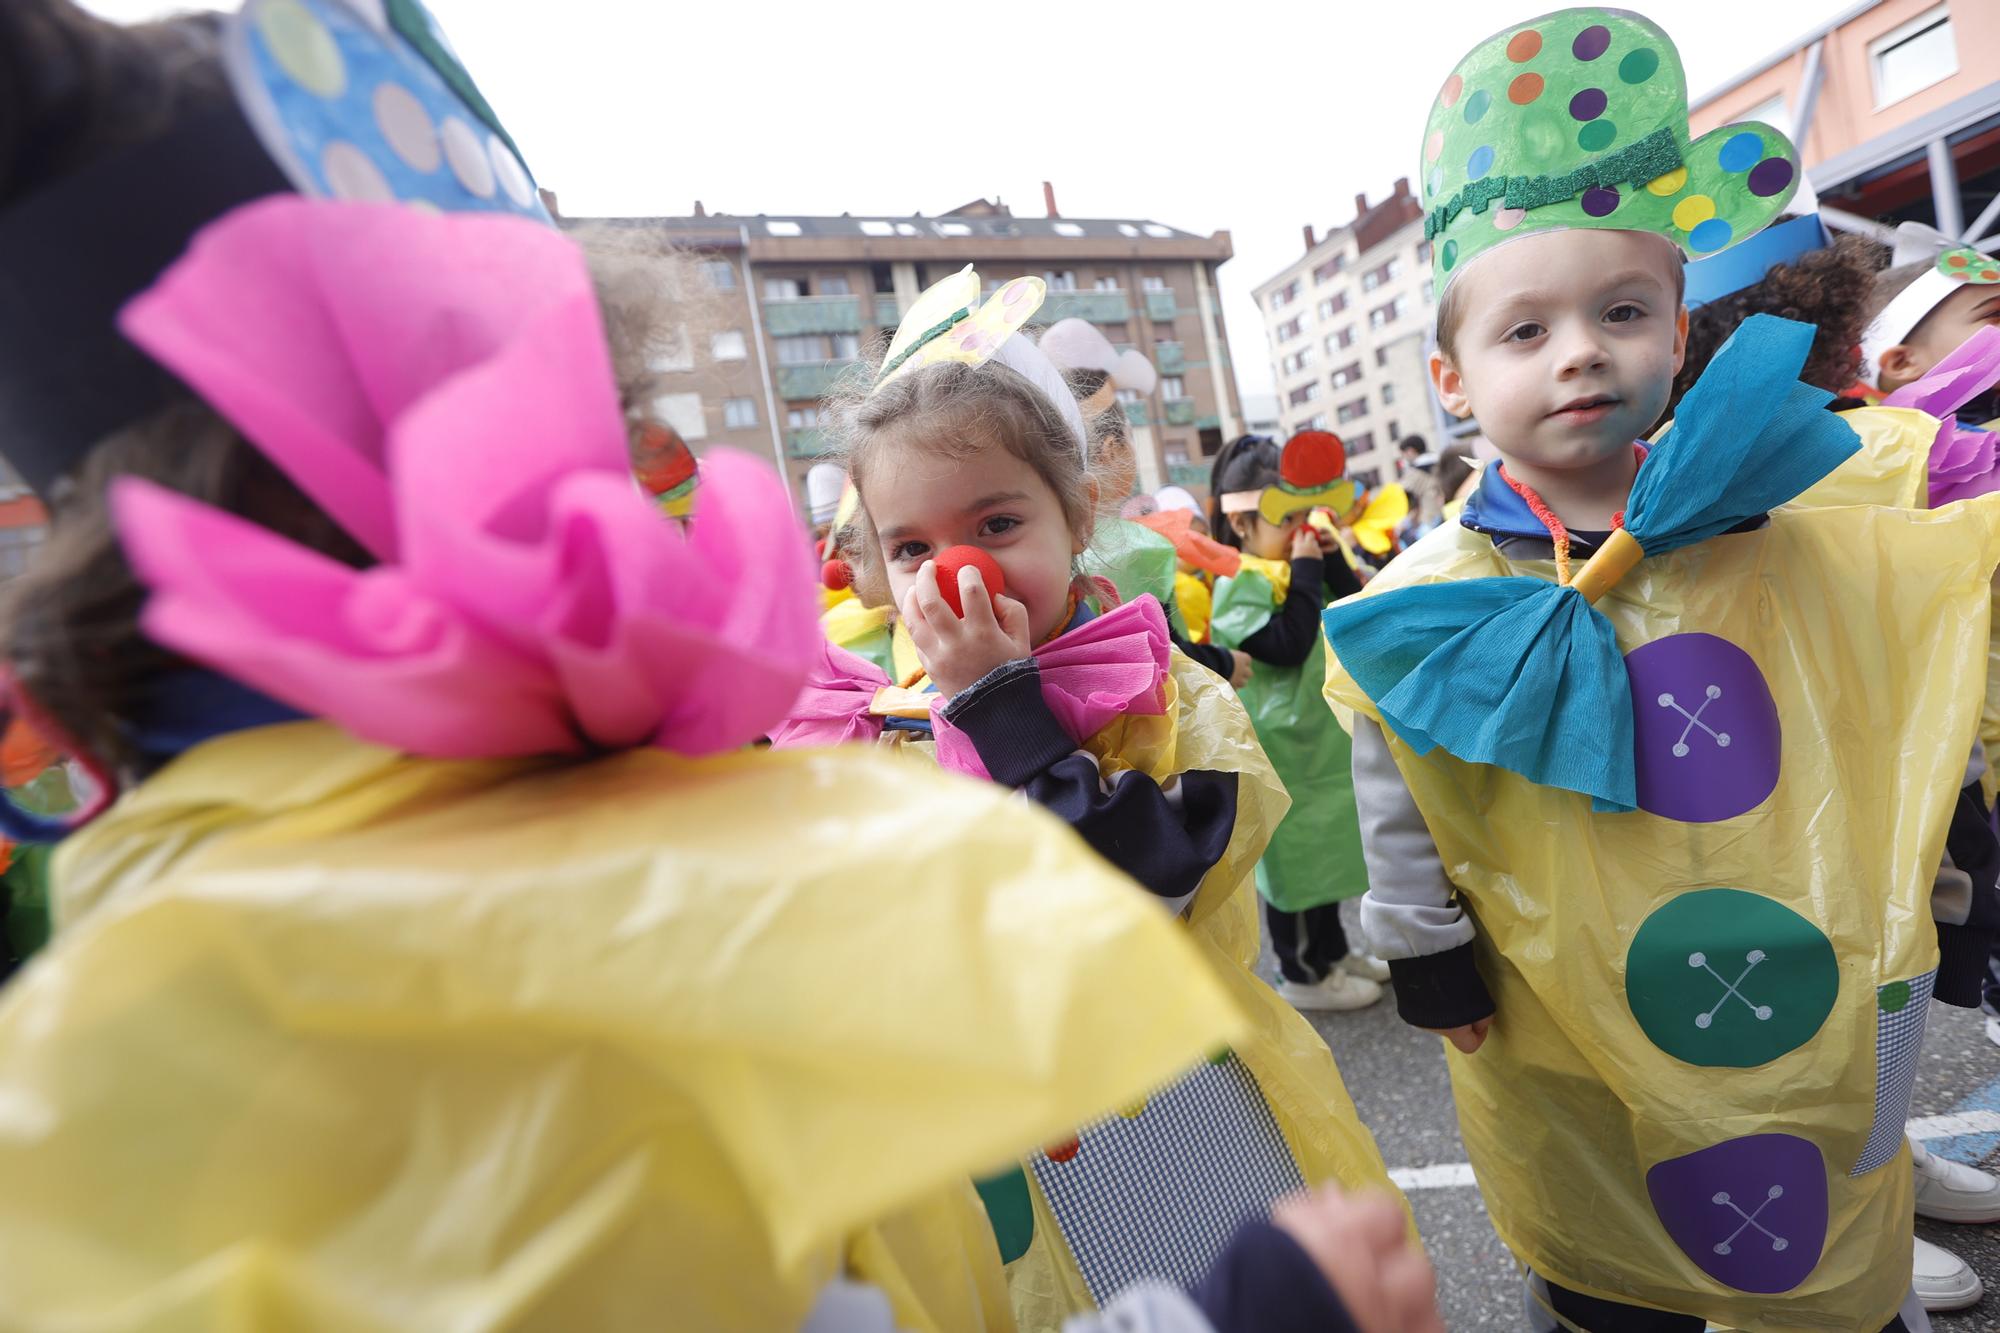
{"x": 440, "y": 386}
{"x": 1963, "y": 461}
{"x": 1098, "y": 672}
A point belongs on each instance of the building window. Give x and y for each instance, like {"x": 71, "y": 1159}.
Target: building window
{"x": 831, "y": 284}
{"x": 1360, "y": 444}
{"x": 802, "y": 417}
{"x": 1341, "y": 340}
{"x": 1912, "y": 57}
{"x": 1423, "y": 252}
{"x": 17, "y": 548}
{"x": 1177, "y": 455}
{"x": 1069, "y": 229}
{"x": 1158, "y": 232}
{"x": 1127, "y": 396}
{"x": 681, "y": 412}
{"x": 1172, "y": 386}
{"x": 728, "y": 346}
{"x": 1347, "y": 375}
{"x": 1381, "y": 357}
{"x": 781, "y": 289}
{"x": 1353, "y": 411}
{"x": 739, "y": 413}
{"x": 1317, "y": 421}
{"x": 1430, "y": 292}
{"x": 1395, "y": 431}
{"x": 668, "y": 349}
{"x": 1297, "y": 361}
{"x": 1285, "y": 295}
{"x": 1104, "y": 285}
{"x": 1061, "y": 282}
{"x": 954, "y": 229}
{"x": 1305, "y": 393}
{"x": 878, "y": 228}
{"x": 721, "y": 274}
{"x": 1366, "y": 478}
{"x": 1289, "y": 330}
{"x": 1333, "y": 305}
{"x": 1388, "y": 394}
{"x": 1383, "y": 315}
{"x": 1382, "y": 273}
{"x": 1153, "y": 282}
{"x": 1773, "y": 111}
{"x": 807, "y": 348}
{"x": 846, "y": 346}
{"x": 1332, "y": 266}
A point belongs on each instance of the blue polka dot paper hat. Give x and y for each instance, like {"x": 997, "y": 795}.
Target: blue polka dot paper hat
{"x": 366, "y": 100}
{"x": 1579, "y": 119}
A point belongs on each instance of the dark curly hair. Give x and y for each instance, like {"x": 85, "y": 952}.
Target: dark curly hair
{"x": 1830, "y": 288}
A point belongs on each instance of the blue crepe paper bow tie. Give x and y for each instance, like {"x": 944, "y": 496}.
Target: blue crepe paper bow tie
{"x": 1526, "y": 674}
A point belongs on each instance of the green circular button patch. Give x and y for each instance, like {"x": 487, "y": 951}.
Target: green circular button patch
{"x": 1721, "y": 977}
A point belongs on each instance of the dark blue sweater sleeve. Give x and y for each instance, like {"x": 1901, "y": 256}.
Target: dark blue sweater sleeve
{"x": 1166, "y": 841}
{"x": 1265, "y": 1282}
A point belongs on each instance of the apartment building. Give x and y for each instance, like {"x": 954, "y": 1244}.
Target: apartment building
{"x": 1895, "y": 107}
{"x": 799, "y": 301}
{"x": 1347, "y": 325}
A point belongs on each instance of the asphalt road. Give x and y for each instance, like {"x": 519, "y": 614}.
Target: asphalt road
{"x": 1397, "y": 1078}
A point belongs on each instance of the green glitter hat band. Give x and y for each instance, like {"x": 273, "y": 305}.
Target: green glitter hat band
{"x": 1579, "y": 119}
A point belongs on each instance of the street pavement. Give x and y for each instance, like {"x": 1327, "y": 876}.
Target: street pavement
{"x": 1397, "y": 1078}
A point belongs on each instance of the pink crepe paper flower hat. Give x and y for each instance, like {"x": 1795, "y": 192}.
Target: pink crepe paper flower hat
{"x": 439, "y": 384}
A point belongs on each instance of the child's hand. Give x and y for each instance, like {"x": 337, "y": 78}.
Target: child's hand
{"x": 1361, "y": 1245}
{"x": 1305, "y": 544}
{"x": 1239, "y": 673}
{"x": 958, "y": 652}
{"x": 1468, "y": 1038}
{"x": 1327, "y": 541}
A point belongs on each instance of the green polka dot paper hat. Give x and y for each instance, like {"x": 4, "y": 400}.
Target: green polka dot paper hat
{"x": 1579, "y": 119}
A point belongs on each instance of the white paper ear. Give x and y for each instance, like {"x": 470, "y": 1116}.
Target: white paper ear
{"x": 1026, "y": 359}
{"x": 1135, "y": 372}
{"x": 1917, "y": 242}
{"x": 1075, "y": 344}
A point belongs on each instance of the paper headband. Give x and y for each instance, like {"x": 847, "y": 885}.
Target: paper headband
{"x": 1747, "y": 264}
{"x": 1578, "y": 119}
{"x": 357, "y": 100}
{"x": 950, "y": 323}
{"x": 1955, "y": 266}
{"x": 1308, "y": 475}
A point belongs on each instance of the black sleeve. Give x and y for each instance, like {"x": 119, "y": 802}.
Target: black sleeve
{"x": 1287, "y": 637}
{"x": 1208, "y": 655}
{"x": 1341, "y": 580}
{"x": 1166, "y": 841}
{"x": 1964, "y": 946}
{"x": 1264, "y": 1283}
{"x": 1440, "y": 990}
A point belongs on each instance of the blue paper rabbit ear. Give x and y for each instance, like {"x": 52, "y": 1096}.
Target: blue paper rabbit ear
{"x": 1538, "y": 686}
{"x": 366, "y": 100}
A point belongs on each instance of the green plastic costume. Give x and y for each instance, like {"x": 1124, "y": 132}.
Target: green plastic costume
{"x": 1137, "y": 560}
{"x": 1315, "y": 856}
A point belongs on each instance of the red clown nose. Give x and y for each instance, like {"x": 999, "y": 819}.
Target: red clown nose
{"x": 955, "y": 558}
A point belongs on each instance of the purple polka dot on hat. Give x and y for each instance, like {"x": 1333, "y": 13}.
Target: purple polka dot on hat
{"x": 1591, "y": 43}
{"x": 1588, "y": 104}
{"x": 1771, "y": 176}
{"x": 1600, "y": 202}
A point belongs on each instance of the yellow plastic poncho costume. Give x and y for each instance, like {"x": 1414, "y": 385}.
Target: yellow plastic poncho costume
{"x": 1156, "y": 1188}
{"x": 1708, "y": 1008}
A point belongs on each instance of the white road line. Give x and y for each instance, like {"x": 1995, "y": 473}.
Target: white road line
{"x": 1457, "y": 1175}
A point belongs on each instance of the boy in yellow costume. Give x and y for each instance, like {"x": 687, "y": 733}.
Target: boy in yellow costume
{"x": 1653, "y": 845}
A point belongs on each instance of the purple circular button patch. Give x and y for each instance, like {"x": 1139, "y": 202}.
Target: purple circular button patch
{"x": 1704, "y": 728}
{"x": 1750, "y": 1212}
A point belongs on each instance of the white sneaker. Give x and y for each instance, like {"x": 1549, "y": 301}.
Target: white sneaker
{"x": 1364, "y": 965}
{"x": 1993, "y": 1029}
{"x": 1950, "y": 1191}
{"x": 1338, "y": 990}
{"x": 1943, "y": 1281}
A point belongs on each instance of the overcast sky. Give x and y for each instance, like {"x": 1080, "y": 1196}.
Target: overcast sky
{"x": 1251, "y": 116}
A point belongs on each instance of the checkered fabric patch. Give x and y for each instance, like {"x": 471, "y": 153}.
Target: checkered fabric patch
{"x": 1901, "y": 1010}
{"x": 1158, "y": 1194}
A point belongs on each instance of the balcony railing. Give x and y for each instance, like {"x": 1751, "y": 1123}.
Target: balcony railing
{"x": 1212, "y": 421}
{"x": 887, "y": 316}
{"x": 813, "y": 314}
{"x": 799, "y": 383}
{"x": 1162, "y": 306}
{"x": 1169, "y": 358}
{"x": 1135, "y": 413}
{"x": 807, "y": 442}
{"x": 1097, "y": 307}
{"x": 1180, "y": 411}
{"x": 1189, "y": 474}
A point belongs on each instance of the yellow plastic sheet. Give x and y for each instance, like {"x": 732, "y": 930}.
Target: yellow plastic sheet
{"x": 332, "y": 1038}
{"x": 1863, "y": 625}
{"x": 1205, "y": 728}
